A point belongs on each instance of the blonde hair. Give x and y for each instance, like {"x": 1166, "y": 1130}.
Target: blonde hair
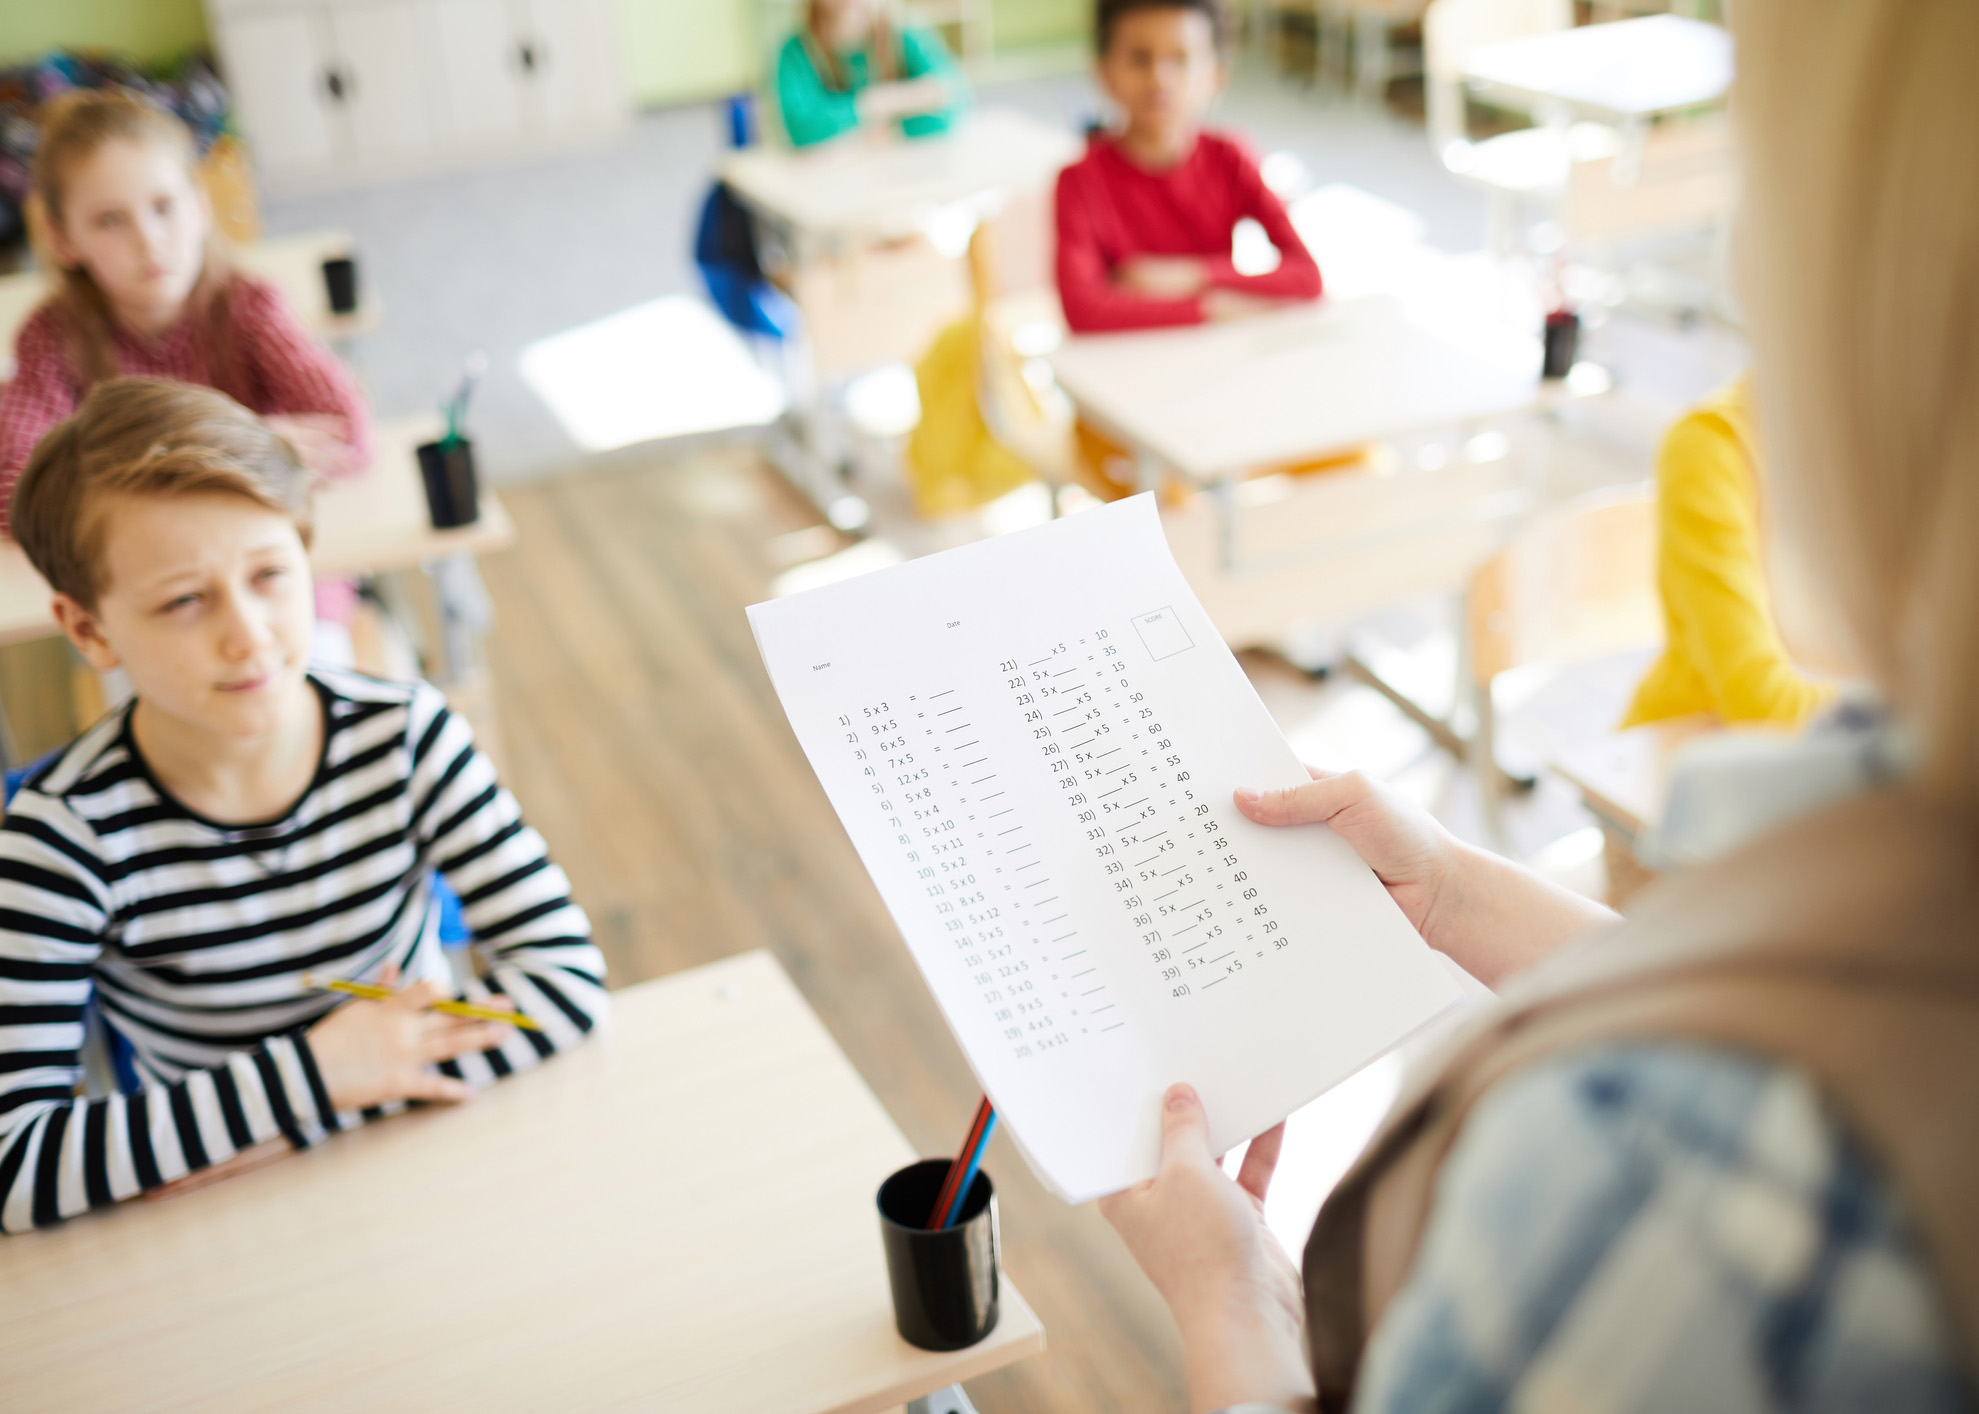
{"x": 73, "y": 128}
{"x": 882, "y": 47}
{"x": 144, "y": 437}
{"x": 1863, "y": 206}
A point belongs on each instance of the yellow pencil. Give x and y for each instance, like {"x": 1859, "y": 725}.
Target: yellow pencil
{"x": 374, "y": 993}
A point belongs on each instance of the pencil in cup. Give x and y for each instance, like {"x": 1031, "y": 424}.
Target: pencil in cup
{"x": 371, "y": 992}
{"x": 962, "y": 1170}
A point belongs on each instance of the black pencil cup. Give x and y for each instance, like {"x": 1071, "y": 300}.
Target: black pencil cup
{"x": 945, "y": 1282}
{"x": 340, "y": 284}
{"x": 452, "y": 491}
{"x": 1562, "y": 342}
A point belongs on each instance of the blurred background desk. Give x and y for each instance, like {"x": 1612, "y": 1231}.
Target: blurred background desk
{"x": 375, "y": 524}
{"x": 1623, "y": 71}
{"x": 862, "y": 189}
{"x": 1219, "y": 403}
{"x": 1622, "y": 779}
{"x": 293, "y": 264}
{"x": 680, "y": 1216}
{"x": 867, "y": 238}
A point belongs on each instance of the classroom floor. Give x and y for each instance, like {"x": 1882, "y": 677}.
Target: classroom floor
{"x": 644, "y": 740}
{"x": 640, "y": 731}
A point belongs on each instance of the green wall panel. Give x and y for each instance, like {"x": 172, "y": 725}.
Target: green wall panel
{"x": 1022, "y": 23}
{"x": 139, "y": 29}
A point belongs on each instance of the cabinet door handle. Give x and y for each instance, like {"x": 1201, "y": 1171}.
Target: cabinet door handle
{"x": 526, "y": 55}
{"x": 337, "y": 84}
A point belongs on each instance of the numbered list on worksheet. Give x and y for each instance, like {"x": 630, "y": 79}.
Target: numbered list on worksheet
{"x": 1032, "y": 743}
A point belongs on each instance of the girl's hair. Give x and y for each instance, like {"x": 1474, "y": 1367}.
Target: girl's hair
{"x": 144, "y": 437}
{"x": 882, "y": 48}
{"x": 74, "y": 127}
{"x": 1863, "y": 277}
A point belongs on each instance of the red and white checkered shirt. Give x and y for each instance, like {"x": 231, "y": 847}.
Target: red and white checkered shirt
{"x": 280, "y": 368}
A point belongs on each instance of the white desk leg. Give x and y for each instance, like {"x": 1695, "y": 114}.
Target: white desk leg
{"x": 943, "y": 1401}
{"x": 1225, "y": 492}
{"x": 466, "y": 613}
{"x": 1371, "y": 58}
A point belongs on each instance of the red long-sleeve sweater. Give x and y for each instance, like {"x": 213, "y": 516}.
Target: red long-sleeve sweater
{"x": 1110, "y": 210}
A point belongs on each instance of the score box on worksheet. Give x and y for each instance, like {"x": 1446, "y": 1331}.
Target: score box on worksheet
{"x": 1032, "y": 743}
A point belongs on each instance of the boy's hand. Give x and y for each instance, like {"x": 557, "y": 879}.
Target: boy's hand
{"x": 1164, "y": 276}
{"x": 371, "y": 1053}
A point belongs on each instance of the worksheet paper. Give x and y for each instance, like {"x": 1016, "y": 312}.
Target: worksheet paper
{"x": 1032, "y": 742}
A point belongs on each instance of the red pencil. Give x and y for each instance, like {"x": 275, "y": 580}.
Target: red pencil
{"x": 963, "y": 1164}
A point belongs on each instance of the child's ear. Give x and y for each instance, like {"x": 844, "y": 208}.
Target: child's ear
{"x": 44, "y": 232}
{"x": 85, "y": 631}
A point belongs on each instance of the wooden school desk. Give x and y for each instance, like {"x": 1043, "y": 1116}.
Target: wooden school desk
{"x": 866, "y": 236}
{"x": 860, "y": 189}
{"x": 1622, "y": 779}
{"x": 293, "y": 264}
{"x": 375, "y": 524}
{"x": 1216, "y": 403}
{"x": 679, "y": 1216}
{"x": 372, "y": 524}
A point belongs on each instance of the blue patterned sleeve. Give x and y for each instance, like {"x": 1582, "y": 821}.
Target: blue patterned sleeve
{"x": 1655, "y": 1227}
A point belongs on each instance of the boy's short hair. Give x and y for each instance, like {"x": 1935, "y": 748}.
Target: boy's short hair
{"x": 1109, "y": 12}
{"x": 145, "y": 437}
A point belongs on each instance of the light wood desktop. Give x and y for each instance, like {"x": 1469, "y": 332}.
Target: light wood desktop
{"x": 293, "y": 264}
{"x": 371, "y": 524}
{"x": 1217, "y": 403}
{"x": 1219, "y": 400}
{"x": 678, "y": 1216}
{"x": 1620, "y": 72}
{"x": 866, "y": 235}
{"x": 856, "y": 187}
{"x": 1622, "y": 779}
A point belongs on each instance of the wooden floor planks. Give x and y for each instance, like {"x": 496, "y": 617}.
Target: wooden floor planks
{"x": 646, "y": 744}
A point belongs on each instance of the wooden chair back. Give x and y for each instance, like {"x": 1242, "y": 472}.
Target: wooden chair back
{"x": 1685, "y": 178}
{"x": 1578, "y": 583}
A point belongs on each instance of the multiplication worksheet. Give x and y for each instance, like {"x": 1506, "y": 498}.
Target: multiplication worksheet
{"x": 1033, "y": 742}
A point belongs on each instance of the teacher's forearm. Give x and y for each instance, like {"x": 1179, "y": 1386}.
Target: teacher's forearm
{"x": 1496, "y": 918}
{"x": 1244, "y": 1355}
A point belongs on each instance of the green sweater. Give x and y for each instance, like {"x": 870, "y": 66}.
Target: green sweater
{"x": 813, "y": 111}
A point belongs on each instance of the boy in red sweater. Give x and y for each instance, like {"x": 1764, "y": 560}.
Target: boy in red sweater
{"x": 1145, "y": 218}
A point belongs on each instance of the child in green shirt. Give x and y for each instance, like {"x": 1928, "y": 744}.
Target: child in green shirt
{"x": 851, "y": 64}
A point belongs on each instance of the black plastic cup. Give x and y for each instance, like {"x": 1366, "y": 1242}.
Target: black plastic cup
{"x": 945, "y": 1282}
{"x": 453, "y": 495}
{"x": 340, "y": 284}
{"x": 1562, "y": 343}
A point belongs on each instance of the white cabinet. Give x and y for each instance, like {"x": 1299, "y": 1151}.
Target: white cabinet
{"x": 330, "y": 90}
{"x": 564, "y": 48}
{"x": 385, "y": 88}
{"x": 275, "y": 74}
{"x": 478, "y": 57}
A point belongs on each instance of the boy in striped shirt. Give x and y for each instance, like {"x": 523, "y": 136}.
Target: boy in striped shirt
{"x": 171, "y": 876}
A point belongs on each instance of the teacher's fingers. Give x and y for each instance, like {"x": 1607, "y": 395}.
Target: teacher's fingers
{"x": 1261, "y": 1161}
{"x": 1313, "y": 803}
{"x": 1184, "y": 1128}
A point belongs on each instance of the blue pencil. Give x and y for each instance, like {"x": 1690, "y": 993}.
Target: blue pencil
{"x": 970, "y": 1162}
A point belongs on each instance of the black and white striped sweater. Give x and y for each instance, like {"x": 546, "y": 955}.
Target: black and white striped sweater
{"x": 190, "y": 939}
